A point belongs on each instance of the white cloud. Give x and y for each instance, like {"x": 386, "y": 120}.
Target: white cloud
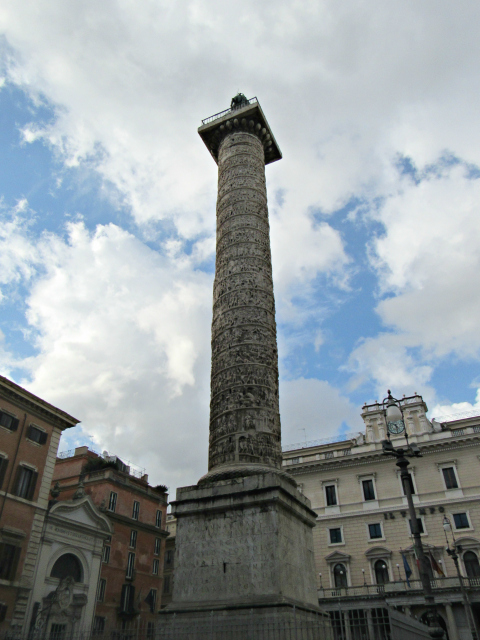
{"x": 313, "y": 409}
{"x": 121, "y": 331}
{"x": 428, "y": 261}
{"x": 121, "y": 344}
{"x": 456, "y": 410}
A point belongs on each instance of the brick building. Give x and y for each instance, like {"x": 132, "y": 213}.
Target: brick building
{"x": 363, "y": 526}
{"x": 30, "y": 430}
{"x": 131, "y": 578}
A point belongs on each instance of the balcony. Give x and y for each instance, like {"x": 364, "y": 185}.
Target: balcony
{"x": 397, "y": 588}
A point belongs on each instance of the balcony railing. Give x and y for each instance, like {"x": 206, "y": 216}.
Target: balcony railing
{"x": 399, "y": 586}
{"x": 224, "y": 113}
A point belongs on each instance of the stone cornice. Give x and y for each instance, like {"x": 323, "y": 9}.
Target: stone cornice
{"x": 427, "y": 448}
{"x": 31, "y": 403}
{"x": 249, "y": 119}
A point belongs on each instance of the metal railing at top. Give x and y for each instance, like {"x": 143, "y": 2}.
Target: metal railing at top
{"x": 220, "y": 114}
{"x": 131, "y": 469}
{"x": 472, "y": 413}
{"x": 398, "y": 586}
{"x": 316, "y": 443}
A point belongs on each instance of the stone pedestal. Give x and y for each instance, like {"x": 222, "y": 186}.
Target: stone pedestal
{"x": 244, "y": 557}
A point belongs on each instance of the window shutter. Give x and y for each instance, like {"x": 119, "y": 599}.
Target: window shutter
{"x": 31, "y": 488}
{"x": 131, "y": 599}
{"x": 123, "y": 605}
{"x": 30, "y": 432}
{"x": 3, "y": 469}
{"x": 15, "y": 423}
{"x": 18, "y": 477}
{"x": 16, "y": 558}
{"x": 43, "y": 438}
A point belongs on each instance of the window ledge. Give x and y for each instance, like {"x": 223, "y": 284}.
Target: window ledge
{"x": 35, "y": 444}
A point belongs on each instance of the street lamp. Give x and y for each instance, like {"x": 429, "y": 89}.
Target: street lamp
{"x": 396, "y": 426}
{"x": 454, "y": 556}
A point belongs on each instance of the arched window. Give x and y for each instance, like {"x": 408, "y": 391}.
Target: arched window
{"x": 381, "y": 572}
{"x": 472, "y": 566}
{"x": 67, "y": 566}
{"x": 340, "y": 576}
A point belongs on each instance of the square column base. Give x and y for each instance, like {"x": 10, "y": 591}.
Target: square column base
{"x": 244, "y": 542}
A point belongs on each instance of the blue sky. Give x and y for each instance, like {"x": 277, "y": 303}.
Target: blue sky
{"x": 108, "y": 211}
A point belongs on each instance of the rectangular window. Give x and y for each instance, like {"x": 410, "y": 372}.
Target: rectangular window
{"x": 130, "y": 565}
{"x": 152, "y": 599}
{"x": 150, "y": 629}
{"x": 375, "y": 531}
{"x": 158, "y": 519}
{"x": 331, "y": 495}
{"x": 450, "y": 478}
{"x": 106, "y": 555}
{"x": 8, "y": 421}
{"x": 112, "y": 503}
{"x": 136, "y": 510}
{"x": 3, "y": 611}
{"x": 169, "y": 556}
{"x": 420, "y": 525}
{"x": 98, "y": 626}
{"x": 3, "y": 469}
{"x": 127, "y": 599}
{"x": 9, "y": 556}
{"x": 133, "y": 539}
{"x": 155, "y": 567}
{"x": 166, "y": 584}
{"x": 156, "y": 548}
{"x": 461, "y": 521}
{"x": 25, "y": 482}
{"x": 335, "y": 536}
{"x": 410, "y": 482}
{"x": 36, "y": 435}
{"x": 368, "y": 490}
{"x": 102, "y": 585}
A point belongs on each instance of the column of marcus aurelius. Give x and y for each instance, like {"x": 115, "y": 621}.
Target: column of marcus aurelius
{"x": 244, "y": 545}
{"x": 244, "y": 411}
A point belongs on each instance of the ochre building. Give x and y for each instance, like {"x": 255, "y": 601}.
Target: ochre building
{"x": 363, "y": 526}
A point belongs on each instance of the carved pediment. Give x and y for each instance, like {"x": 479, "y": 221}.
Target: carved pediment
{"x": 338, "y": 556}
{"x": 81, "y": 511}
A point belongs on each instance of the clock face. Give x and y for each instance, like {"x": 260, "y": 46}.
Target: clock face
{"x": 396, "y": 427}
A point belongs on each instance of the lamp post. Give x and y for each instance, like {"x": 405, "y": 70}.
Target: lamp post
{"x": 396, "y": 426}
{"x": 452, "y": 552}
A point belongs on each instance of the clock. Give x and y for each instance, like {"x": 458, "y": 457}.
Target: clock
{"x": 396, "y": 428}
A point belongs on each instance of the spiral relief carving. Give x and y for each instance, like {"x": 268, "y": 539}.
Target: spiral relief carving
{"x": 244, "y": 411}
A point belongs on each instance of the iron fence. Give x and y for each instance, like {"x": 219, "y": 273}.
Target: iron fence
{"x": 357, "y": 624}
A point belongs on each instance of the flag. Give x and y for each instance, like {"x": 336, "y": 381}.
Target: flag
{"x": 408, "y": 571}
{"x": 417, "y": 559}
{"x": 435, "y": 566}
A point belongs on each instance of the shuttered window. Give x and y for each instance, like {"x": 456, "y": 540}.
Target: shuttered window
{"x": 9, "y": 556}
{"x": 8, "y": 421}
{"x": 36, "y": 435}
{"x": 25, "y": 482}
{"x": 3, "y": 469}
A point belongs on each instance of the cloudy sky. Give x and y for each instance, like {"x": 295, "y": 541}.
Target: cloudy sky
{"x": 108, "y": 209}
